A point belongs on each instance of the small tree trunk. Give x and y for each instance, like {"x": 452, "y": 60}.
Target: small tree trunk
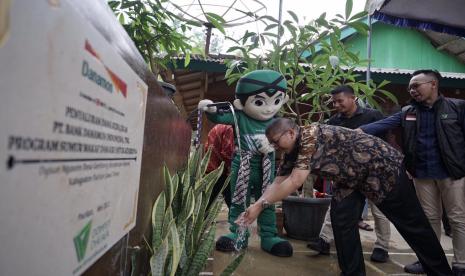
{"x": 307, "y": 189}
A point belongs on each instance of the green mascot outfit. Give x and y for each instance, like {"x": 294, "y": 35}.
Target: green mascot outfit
{"x": 259, "y": 96}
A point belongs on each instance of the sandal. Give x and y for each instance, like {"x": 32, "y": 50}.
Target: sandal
{"x": 364, "y": 226}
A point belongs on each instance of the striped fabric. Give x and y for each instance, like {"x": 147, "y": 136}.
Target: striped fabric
{"x": 243, "y": 177}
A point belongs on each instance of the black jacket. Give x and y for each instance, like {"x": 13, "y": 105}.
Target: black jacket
{"x": 449, "y": 121}
{"x": 362, "y": 116}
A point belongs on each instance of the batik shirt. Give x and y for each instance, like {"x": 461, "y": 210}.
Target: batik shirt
{"x": 352, "y": 160}
{"x": 221, "y": 142}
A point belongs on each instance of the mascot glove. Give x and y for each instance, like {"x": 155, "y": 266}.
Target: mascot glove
{"x": 265, "y": 146}
{"x": 203, "y": 106}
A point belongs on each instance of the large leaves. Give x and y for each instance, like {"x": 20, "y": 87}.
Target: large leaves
{"x": 157, "y": 32}
{"x": 349, "y": 5}
{"x": 216, "y": 20}
{"x": 158, "y": 213}
{"x": 201, "y": 255}
{"x": 233, "y": 265}
{"x": 183, "y": 239}
{"x": 303, "y": 56}
{"x": 157, "y": 261}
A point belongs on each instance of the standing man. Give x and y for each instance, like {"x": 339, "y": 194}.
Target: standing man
{"x": 433, "y": 134}
{"x": 351, "y": 115}
{"x": 360, "y": 166}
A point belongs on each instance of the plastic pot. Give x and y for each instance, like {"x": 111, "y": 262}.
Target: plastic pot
{"x": 303, "y": 217}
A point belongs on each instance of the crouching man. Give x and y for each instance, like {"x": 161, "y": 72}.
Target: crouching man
{"x": 359, "y": 165}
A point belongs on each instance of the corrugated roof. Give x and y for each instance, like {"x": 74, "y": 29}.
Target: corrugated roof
{"x": 214, "y": 58}
{"x": 450, "y": 75}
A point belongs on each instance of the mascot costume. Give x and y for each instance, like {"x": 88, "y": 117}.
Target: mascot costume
{"x": 259, "y": 96}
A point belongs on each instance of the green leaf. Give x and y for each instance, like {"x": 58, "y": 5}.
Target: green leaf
{"x": 170, "y": 188}
{"x": 212, "y": 214}
{"x": 360, "y": 27}
{"x": 157, "y": 261}
{"x": 233, "y": 265}
{"x": 167, "y": 221}
{"x": 269, "y": 18}
{"x": 201, "y": 255}
{"x": 213, "y": 19}
{"x": 188, "y": 206}
{"x": 114, "y": 4}
{"x": 204, "y": 183}
{"x": 235, "y": 48}
{"x": 262, "y": 39}
{"x": 121, "y": 18}
{"x": 294, "y": 16}
{"x": 196, "y": 214}
{"x": 383, "y": 83}
{"x": 358, "y": 15}
{"x": 176, "y": 206}
{"x": 216, "y": 17}
{"x": 127, "y": 4}
{"x": 176, "y": 249}
{"x": 270, "y": 34}
{"x": 193, "y": 23}
{"x": 187, "y": 59}
{"x": 322, "y": 22}
{"x": 349, "y": 5}
{"x": 158, "y": 213}
{"x": 182, "y": 240}
{"x": 353, "y": 57}
{"x": 247, "y": 35}
{"x": 389, "y": 95}
{"x": 311, "y": 28}
{"x": 292, "y": 29}
{"x": 193, "y": 165}
{"x": 271, "y": 26}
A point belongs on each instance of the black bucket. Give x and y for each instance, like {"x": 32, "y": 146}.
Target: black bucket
{"x": 303, "y": 217}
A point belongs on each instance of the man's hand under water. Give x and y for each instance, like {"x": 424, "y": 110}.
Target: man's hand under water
{"x": 250, "y": 215}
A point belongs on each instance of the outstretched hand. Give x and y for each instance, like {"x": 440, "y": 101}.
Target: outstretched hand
{"x": 203, "y": 105}
{"x": 250, "y": 215}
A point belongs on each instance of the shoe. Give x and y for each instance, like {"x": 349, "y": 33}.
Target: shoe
{"x": 415, "y": 268}
{"x": 282, "y": 249}
{"x": 320, "y": 246}
{"x": 458, "y": 271}
{"x": 364, "y": 226}
{"x": 226, "y": 244}
{"x": 379, "y": 255}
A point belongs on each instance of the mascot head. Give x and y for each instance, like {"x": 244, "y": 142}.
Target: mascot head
{"x": 261, "y": 93}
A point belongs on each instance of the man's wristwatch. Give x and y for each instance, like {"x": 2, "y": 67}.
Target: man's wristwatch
{"x": 265, "y": 204}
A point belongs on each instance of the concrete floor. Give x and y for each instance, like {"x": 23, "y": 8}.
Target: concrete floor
{"x": 307, "y": 262}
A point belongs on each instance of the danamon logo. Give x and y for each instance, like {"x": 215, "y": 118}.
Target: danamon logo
{"x": 117, "y": 81}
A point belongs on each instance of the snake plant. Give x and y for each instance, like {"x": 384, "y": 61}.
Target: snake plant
{"x": 183, "y": 228}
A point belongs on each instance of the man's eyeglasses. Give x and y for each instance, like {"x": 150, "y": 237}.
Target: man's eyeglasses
{"x": 275, "y": 143}
{"x": 415, "y": 85}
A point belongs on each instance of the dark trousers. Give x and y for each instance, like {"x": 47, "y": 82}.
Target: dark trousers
{"x": 217, "y": 188}
{"x": 402, "y": 208}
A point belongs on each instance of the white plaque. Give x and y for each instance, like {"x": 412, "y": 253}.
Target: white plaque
{"x": 72, "y": 119}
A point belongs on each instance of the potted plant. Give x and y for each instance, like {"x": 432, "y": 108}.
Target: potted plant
{"x": 183, "y": 224}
